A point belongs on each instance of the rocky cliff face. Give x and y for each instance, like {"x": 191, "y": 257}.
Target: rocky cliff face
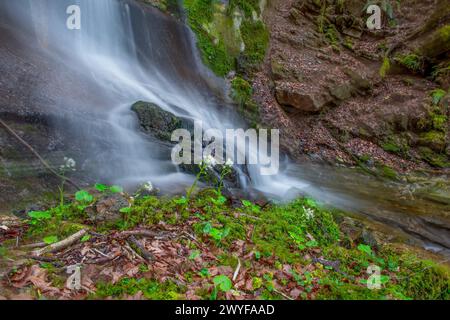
{"x": 343, "y": 93}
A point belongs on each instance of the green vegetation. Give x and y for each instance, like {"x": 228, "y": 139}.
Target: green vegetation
{"x": 221, "y": 38}
{"x": 411, "y": 61}
{"x": 150, "y": 289}
{"x": 241, "y": 90}
{"x": 385, "y": 67}
{"x": 303, "y": 238}
{"x": 434, "y": 132}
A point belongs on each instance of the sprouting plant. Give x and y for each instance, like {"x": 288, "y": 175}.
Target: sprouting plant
{"x": 254, "y": 208}
{"x": 39, "y": 216}
{"x": 208, "y": 164}
{"x": 105, "y": 189}
{"x": 221, "y": 283}
{"x": 437, "y": 95}
{"x": 227, "y": 168}
{"x": 68, "y": 165}
{"x": 386, "y": 65}
{"x": 302, "y": 242}
{"x": 217, "y": 234}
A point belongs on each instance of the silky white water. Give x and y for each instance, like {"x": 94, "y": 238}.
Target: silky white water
{"x": 133, "y": 55}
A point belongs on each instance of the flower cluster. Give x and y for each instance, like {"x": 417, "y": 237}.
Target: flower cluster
{"x": 211, "y": 162}
{"x": 309, "y": 213}
{"x": 69, "y": 165}
{"x": 148, "y": 186}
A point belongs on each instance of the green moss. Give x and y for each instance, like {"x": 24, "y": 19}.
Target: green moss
{"x": 433, "y": 158}
{"x": 437, "y": 95}
{"x": 385, "y": 67}
{"x": 256, "y": 40}
{"x": 388, "y": 172}
{"x": 434, "y": 138}
{"x": 151, "y": 289}
{"x": 241, "y": 90}
{"x": 217, "y": 39}
{"x": 247, "y": 6}
{"x": 410, "y": 61}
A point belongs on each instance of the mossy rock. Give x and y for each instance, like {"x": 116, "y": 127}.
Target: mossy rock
{"x": 435, "y": 140}
{"x": 438, "y": 44}
{"x": 157, "y": 121}
{"x": 433, "y": 158}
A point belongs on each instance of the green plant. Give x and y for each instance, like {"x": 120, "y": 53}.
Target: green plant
{"x": 437, "y": 95}
{"x": 68, "y": 165}
{"x": 217, "y": 234}
{"x": 385, "y": 67}
{"x": 410, "y": 61}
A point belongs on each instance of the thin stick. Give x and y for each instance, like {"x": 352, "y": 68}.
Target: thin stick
{"x": 33, "y": 245}
{"x": 145, "y": 254}
{"x": 236, "y": 272}
{"x": 61, "y": 244}
{"x": 31, "y": 149}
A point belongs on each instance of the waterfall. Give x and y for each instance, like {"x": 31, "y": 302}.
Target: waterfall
{"x": 127, "y": 52}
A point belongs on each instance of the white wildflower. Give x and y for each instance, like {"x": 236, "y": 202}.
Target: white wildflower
{"x": 309, "y": 213}
{"x": 210, "y": 161}
{"x": 229, "y": 163}
{"x": 148, "y": 186}
{"x": 69, "y": 165}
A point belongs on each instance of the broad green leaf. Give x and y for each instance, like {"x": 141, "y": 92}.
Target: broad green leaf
{"x": 116, "y": 189}
{"x": 207, "y": 228}
{"x": 83, "y": 196}
{"x": 182, "y": 200}
{"x": 194, "y": 255}
{"x": 246, "y": 203}
{"x": 365, "y": 248}
{"x": 223, "y": 283}
{"x": 101, "y": 187}
{"x": 50, "y": 239}
{"x": 40, "y": 215}
{"x": 85, "y": 238}
{"x": 125, "y": 210}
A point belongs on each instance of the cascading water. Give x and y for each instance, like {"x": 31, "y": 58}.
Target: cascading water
{"x": 132, "y": 54}
{"x": 125, "y": 52}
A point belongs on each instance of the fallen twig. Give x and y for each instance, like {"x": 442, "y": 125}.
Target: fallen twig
{"x": 33, "y": 245}
{"x": 283, "y": 294}
{"x": 236, "y": 272}
{"x": 61, "y": 244}
{"x": 145, "y": 254}
{"x": 145, "y": 233}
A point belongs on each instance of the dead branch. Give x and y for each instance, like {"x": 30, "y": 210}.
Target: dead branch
{"x": 143, "y": 252}
{"x": 61, "y": 244}
{"x": 33, "y": 151}
{"x": 236, "y": 272}
{"x": 145, "y": 233}
{"x": 33, "y": 245}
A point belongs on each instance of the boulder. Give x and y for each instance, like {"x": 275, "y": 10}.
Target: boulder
{"x": 158, "y": 122}
{"x": 299, "y": 97}
{"x": 107, "y": 209}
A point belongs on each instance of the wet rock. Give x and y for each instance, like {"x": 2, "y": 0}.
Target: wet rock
{"x": 159, "y": 122}
{"x": 298, "y": 97}
{"x": 107, "y": 209}
{"x": 352, "y": 229}
{"x": 342, "y": 91}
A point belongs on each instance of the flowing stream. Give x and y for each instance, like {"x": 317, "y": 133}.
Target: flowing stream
{"x": 126, "y": 52}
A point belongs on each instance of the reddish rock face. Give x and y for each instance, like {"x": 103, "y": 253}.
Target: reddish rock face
{"x": 322, "y": 85}
{"x": 294, "y": 95}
